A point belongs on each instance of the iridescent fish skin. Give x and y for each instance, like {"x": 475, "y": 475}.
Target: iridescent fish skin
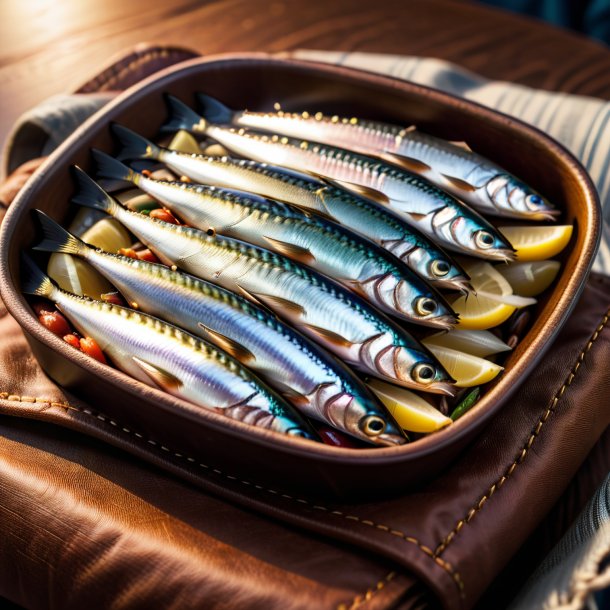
{"x": 467, "y": 175}
{"x": 372, "y": 221}
{"x": 331, "y": 315}
{"x": 162, "y": 355}
{"x": 423, "y": 205}
{"x": 324, "y": 245}
{"x": 314, "y": 382}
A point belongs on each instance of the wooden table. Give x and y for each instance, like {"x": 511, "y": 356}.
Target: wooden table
{"x": 52, "y": 46}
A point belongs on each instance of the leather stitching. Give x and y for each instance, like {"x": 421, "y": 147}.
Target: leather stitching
{"x": 477, "y": 507}
{"x": 446, "y": 566}
{"x": 360, "y": 600}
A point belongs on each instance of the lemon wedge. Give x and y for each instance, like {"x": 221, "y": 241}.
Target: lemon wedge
{"x": 466, "y": 369}
{"x": 479, "y": 343}
{"x": 535, "y": 243}
{"x": 78, "y": 277}
{"x": 411, "y": 411}
{"x": 485, "y": 309}
{"x": 532, "y": 278}
{"x": 184, "y": 142}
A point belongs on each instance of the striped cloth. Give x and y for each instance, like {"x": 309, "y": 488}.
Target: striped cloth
{"x": 581, "y": 124}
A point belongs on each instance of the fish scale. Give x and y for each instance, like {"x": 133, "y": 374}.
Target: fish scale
{"x": 358, "y": 214}
{"x": 325, "y": 311}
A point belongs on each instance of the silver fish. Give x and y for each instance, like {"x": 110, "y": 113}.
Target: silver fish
{"x": 372, "y": 221}
{"x": 303, "y": 374}
{"x": 166, "y": 357}
{"x": 423, "y": 205}
{"x": 453, "y": 167}
{"x": 328, "y": 313}
{"x": 356, "y": 263}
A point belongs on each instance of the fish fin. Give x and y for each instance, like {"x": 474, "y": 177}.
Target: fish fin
{"x": 56, "y": 238}
{"x": 134, "y": 145}
{"x": 33, "y": 279}
{"x": 90, "y": 194}
{"x": 303, "y": 255}
{"x": 417, "y": 216}
{"x": 251, "y": 297}
{"x": 461, "y": 144}
{"x": 360, "y": 189}
{"x": 182, "y": 117}
{"x": 328, "y": 335}
{"x": 213, "y": 110}
{"x": 110, "y": 168}
{"x": 161, "y": 378}
{"x": 238, "y": 351}
{"x": 275, "y": 302}
{"x": 294, "y": 397}
{"x": 323, "y": 210}
{"x": 409, "y": 163}
{"x": 459, "y": 184}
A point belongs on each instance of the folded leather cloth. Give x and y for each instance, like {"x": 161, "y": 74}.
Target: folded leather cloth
{"x": 85, "y": 524}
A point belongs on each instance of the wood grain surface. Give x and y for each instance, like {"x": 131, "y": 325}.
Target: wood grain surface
{"x": 53, "y": 46}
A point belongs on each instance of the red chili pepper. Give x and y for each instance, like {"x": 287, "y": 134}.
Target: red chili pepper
{"x": 130, "y": 252}
{"x": 72, "y": 340}
{"x": 41, "y": 307}
{"x": 91, "y": 348}
{"x": 148, "y": 256}
{"x": 114, "y": 298}
{"x": 330, "y": 436}
{"x": 55, "y": 322}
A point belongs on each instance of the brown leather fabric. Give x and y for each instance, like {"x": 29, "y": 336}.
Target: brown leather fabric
{"x": 85, "y": 524}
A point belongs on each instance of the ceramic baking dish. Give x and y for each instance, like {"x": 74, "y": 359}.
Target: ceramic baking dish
{"x": 256, "y": 82}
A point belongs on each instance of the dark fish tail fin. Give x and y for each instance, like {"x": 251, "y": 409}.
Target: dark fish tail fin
{"x": 115, "y": 174}
{"x": 134, "y": 145}
{"x": 56, "y": 238}
{"x": 33, "y": 280}
{"x": 90, "y": 194}
{"x": 182, "y": 117}
{"x": 212, "y": 110}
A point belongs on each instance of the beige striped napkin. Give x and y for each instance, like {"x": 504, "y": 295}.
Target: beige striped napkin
{"x": 581, "y": 124}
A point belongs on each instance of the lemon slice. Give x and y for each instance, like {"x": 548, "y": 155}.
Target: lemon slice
{"x": 466, "y": 369}
{"x": 410, "y": 410}
{"x": 479, "y": 312}
{"x": 536, "y": 243}
{"x": 78, "y": 277}
{"x": 530, "y": 279}
{"x": 184, "y": 142}
{"x": 479, "y": 343}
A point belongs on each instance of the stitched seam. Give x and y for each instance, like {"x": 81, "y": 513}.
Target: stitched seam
{"x": 113, "y": 73}
{"x": 360, "y": 600}
{"x": 445, "y": 565}
{"x": 478, "y": 506}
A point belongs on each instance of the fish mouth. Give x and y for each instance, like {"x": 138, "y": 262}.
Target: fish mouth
{"x": 389, "y": 439}
{"x": 504, "y": 255}
{"x": 442, "y": 387}
{"x": 459, "y": 283}
{"x": 550, "y": 214}
{"x": 444, "y": 322}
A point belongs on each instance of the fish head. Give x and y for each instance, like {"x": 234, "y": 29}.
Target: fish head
{"x": 362, "y": 417}
{"x": 508, "y": 196}
{"x": 479, "y": 238}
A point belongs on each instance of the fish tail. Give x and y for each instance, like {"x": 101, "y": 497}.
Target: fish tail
{"x": 182, "y": 117}
{"x": 90, "y": 194}
{"x": 56, "y": 238}
{"x": 134, "y": 145}
{"x": 213, "y": 110}
{"x": 33, "y": 280}
{"x": 115, "y": 174}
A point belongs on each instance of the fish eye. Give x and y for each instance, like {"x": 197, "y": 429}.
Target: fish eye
{"x": 373, "y": 425}
{"x": 440, "y": 268}
{"x": 424, "y": 306}
{"x": 535, "y": 200}
{"x": 423, "y": 373}
{"x": 484, "y": 239}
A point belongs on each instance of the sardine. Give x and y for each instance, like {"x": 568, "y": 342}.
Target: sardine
{"x": 166, "y": 357}
{"x": 372, "y": 221}
{"x": 453, "y": 167}
{"x": 324, "y": 245}
{"x": 430, "y": 209}
{"x": 338, "y": 319}
{"x": 312, "y": 381}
